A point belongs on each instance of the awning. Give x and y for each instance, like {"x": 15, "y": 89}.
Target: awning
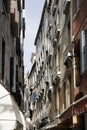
{"x": 24, "y": 122}
{"x": 10, "y": 115}
{"x": 30, "y": 125}
{"x": 52, "y": 125}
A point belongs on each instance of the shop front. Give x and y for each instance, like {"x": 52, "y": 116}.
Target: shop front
{"x": 10, "y": 116}
{"x": 73, "y": 118}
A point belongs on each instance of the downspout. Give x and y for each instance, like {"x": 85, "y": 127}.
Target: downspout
{"x": 73, "y": 54}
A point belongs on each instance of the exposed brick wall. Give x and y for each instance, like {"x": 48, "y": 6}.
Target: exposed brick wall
{"x": 83, "y": 86}
{"x": 79, "y": 24}
{"x": 14, "y": 17}
{"x": 79, "y": 18}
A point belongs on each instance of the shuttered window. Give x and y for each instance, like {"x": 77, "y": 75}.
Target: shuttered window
{"x": 3, "y": 59}
{"x": 83, "y": 51}
{"x": 12, "y": 75}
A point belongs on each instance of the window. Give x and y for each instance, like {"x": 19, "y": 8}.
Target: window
{"x": 13, "y": 74}
{"x": 68, "y": 31}
{"x": 59, "y": 57}
{"x": 41, "y": 54}
{"x": 43, "y": 48}
{"x": 77, "y": 5}
{"x": 83, "y": 51}
{"x": 23, "y": 4}
{"x": 64, "y": 85}
{"x": 3, "y": 59}
{"x": 4, "y": 3}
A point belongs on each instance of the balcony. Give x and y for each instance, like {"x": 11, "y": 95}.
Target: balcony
{"x": 46, "y": 79}
{"x": 54, "y": 10}
{"x": 67, "y": 55}
{"x": 57, "y": 30}
{"x": 50, "y": 52}
{"x": 56, "y": 75}
{"x": 66, "y": 6}
{"x": 49, "y": 26}
{"x": 54, "y": 41}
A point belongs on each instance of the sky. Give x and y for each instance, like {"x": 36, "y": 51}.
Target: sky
{"x": 33, "y": 11}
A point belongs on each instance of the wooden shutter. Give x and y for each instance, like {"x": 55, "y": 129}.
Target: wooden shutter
{"x": 83, "y": 51}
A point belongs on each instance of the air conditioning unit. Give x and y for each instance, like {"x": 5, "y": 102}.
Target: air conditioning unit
{"x": 73, "y": 39}
{"x": 66, "y": 6}
{"x": 50, "y": 25}
{"x": 58, "y": 73}
{"x": 50, "y": 88}
{"x": 67, "y": 57}
{"x": 56, "y": 76}
{"x": 55, "y": 39}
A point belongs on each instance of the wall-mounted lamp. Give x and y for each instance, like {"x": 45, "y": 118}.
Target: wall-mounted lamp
{"x": 75, "y": 121}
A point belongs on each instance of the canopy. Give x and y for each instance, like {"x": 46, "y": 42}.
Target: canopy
{"x": 30, "y": 125}
{"x": 24, "y": 122}
{"x": 10, "y": 115}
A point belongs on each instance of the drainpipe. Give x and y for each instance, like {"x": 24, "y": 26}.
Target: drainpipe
{"x": 73, "y": 54}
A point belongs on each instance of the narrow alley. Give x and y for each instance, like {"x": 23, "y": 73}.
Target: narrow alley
{"x": 52, "y": 94}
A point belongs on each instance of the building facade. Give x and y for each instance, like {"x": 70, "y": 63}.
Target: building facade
{"x": 12, "y": 29}
{"x": 61, "y": 66}
{"x": 32, "y": 92}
